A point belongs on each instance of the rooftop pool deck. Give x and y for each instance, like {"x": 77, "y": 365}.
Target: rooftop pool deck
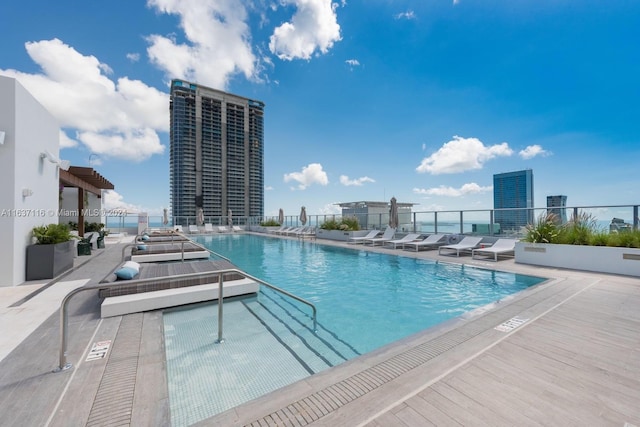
{"x": 566, "y": 352}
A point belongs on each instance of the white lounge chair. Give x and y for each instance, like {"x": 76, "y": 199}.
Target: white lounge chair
{"x": 386, "y": 236}
{"x": 236, "y": 228}
{"x": 465, "y": 245}
{"x": 178, "y": 228}
{"x": 193, "y": 229}
{"x": 208, "y": 228}
{"x": 411, "y": 237}
{"x": 223, "y": 229}
{"x": 431, "y": 242}
{"x": 500, "y": 247}
{"x": 361, "y": 239}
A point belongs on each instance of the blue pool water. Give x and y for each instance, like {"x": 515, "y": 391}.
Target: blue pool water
{"x": 364, "y": 301}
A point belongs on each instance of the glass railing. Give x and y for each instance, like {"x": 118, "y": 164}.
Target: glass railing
{"x": 496, "y": 222}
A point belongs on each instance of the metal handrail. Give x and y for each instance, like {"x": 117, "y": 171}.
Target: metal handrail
{"x": 64, "y": 317}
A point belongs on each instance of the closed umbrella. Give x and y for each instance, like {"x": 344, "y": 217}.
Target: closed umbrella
{"x": 393, "y": 213}
{"x": 281, "y": 216}
{"x": 165, "y": 216}
{"x": 303, "y": 215}
{"x": 230, "y": 218}
{"x": 200, "y": 216}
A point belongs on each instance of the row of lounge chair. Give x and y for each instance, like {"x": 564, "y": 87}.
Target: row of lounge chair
{"x": 209, "y": 228}
{"x": 304, "y": 231}
{"x": 412, "y": 242}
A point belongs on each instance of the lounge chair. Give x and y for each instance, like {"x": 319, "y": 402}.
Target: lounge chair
{"x": 156, "y": 286}
{"x": 284, "y": 230}
{"x": 411, "y": 237}
{"x": 500, "y": 247}
{"x": 236, "y": 228}
{"x": 386, "y": 236}
{"x": 361, "y": 239}
{"x": 431, "y": 242}
{"x": 465, "y": 245}
{"x": 155, "y": 252}
{"x": 208, "y": 228}
{"x": 178, "y": 228}
{"x": 223, "y": 229}
{"x": 193, "y": 229}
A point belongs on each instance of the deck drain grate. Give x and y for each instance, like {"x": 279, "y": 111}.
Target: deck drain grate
{"x": 113, "y": 403}
{"x": 319, "y": 404}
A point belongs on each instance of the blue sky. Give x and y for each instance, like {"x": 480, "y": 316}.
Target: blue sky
{"x": 365, "y": 100}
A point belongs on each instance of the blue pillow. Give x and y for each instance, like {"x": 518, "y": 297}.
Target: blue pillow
{"x": 142, "y": 247}
{"x": 145, "y": 237}
{"x": 126, "y": 273}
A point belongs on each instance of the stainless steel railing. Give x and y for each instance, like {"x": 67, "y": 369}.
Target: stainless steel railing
{"x": 64, "y": 317}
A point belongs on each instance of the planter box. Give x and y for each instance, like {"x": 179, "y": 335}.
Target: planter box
{"x": 599, "y": 259}
{"x": 339, "y": 234}
{"x": 49, "y": 261}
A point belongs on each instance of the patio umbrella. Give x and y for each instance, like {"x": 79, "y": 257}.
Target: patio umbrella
{"x": 230, "y": 218}
{"x": 393, "y": 213}
{"x": 303, "y": 215}
{"x": 200, "y": 216}
{"x": 281, "y": 216}
{"x": 165, "y": 216}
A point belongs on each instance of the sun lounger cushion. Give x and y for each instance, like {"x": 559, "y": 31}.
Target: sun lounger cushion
{"x": 132, "y": 264}
{"x": 142, "y": 247}
{"x": 126, "y": 273}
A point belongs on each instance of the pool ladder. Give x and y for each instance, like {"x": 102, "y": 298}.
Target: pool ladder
{"x": 64, "y": 317}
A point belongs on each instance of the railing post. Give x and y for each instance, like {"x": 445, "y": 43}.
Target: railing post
{"x": 635, "y": 217}
{"x": 435, "y": 223}
{"x": 461, "y": 222}
{"x": 220, "y": 339}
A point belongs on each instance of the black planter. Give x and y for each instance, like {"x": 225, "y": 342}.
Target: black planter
{"x": 49, "y": 261}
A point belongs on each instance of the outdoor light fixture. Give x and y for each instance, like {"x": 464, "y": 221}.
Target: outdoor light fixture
{"x": 62, "y": 164}
{"x": 26, "y": 192}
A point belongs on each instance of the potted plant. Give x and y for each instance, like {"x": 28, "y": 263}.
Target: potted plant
{"x": 579, "y": 245}
{"x": 52, "y": 252}
{"x": 343, "y": 230}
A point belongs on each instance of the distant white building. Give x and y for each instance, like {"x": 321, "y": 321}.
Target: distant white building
{"x": 373, "y": 214}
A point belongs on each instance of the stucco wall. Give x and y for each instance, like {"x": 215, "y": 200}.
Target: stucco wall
{"x": 30, "y": 129}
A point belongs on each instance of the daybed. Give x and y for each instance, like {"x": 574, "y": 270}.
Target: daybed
{"x": 154, "y": 252}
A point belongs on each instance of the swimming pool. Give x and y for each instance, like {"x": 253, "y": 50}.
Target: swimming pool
{"x": 364, "y": 300}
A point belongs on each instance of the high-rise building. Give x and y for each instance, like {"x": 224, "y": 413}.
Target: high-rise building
{"x": 556, "y": 205}
{"x": 216, "y": 153}
{"x": 513, "y": 199}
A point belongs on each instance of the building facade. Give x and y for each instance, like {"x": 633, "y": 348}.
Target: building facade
{"x": 557, "y": 205}
{"x": 216, "y": 153}
{"x": 513, "y": 199}
{"x": 371, "y": 214}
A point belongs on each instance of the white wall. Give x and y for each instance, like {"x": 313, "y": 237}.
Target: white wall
{"x": 30, "y": 129}
{"x": 93, "y": 211}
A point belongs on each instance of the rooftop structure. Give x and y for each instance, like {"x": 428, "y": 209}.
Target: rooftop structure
{"x": 557, "y": 205}
{"x": 216, "y": 153}
{"x": 375, "y": 212}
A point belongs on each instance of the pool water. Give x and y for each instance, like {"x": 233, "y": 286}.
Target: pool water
{"x": 364, "y": 301}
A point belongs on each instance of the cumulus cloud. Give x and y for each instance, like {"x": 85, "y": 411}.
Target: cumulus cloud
{"x": 133, "y": 57}
{"x": 532, "y": 151}
{"x": 66, "y": 142}
{"x": 218, "y": 42}
{"x": 114, "y": 201}
{"x": 330, "y": 209}
{"x": 75, "y": 90}
{"x": 311, "y": 174}
{"x": 409, "y": 14}
{"x": 462, "y": 154}
{"x": 313, "y": 27}
{"x": 358, "y": 182}
{"x": 352, "y": 63}
{"x": 470, "y": 188}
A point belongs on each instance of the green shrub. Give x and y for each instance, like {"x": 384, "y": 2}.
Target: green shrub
{"x": 544, "y": 230}
{"x": 578, "y": 231}
{"x": 270, "y": 223}
{"x": 51, "y": 234}
{"x": 345, "y": 224}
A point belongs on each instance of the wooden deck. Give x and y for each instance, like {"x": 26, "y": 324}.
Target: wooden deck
{"x": 572, "y": 357}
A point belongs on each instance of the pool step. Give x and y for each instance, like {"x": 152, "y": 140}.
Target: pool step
{"x": 292, "y": 324}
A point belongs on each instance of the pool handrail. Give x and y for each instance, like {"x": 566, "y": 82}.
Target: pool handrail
{"x": 63, "y": 365}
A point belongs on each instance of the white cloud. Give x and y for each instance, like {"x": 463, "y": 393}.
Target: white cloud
{"x": 330, "y": 209}
{"x": 311, "y": 174}
{"x": 219, "y": 42}
{"x": 470, "y": 188}
{"x": 65, "y": 141}
{"x": 462, "y": 154}
{"x": 267, "y": 188}
{"x": 112, "y": 200}
{"x": 75, "y": 90}
{"x": 352, "y": 62}
{"x": 358, "y": 182}
{"x": 532, "y": 151}
{"x": 313, "y": 27}
{"x": 133, "y": 57}
{"x": 409, "y": 14}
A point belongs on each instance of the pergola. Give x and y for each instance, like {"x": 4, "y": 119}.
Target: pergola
{"x": 84, "y": 179}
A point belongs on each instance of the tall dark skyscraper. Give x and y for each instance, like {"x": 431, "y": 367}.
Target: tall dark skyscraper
{"x": 216, "y": 153}
{"x": 513, "y": 190}
{"x": 557, "y": 205}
